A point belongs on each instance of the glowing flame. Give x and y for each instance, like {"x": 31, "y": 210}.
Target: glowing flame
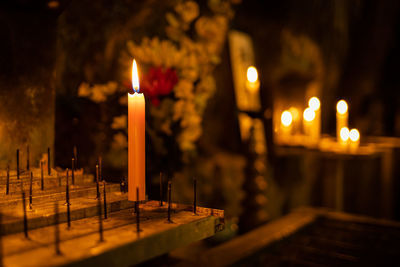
{"x": 341, "y": 107}
{"x": 252, "y": 75}
{"x": 314, "y": 103}
{"x": 344, "y": 133}
{"x": 354, "y": 135}
{"x": 308, "y": 114}
{"x": 286, "y": 118}
{"x": 135, "y": 77}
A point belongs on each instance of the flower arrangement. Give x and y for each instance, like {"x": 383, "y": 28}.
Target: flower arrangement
{"x": 176, "y": 76}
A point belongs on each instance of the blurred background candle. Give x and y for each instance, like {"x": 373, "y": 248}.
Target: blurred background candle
{"x": 344, "y": 135}
{"x": 342, "y": 117}
{"x": 354, "y": 136}
{"x": 315, "y": 105}
{"x": 308, "y": 118}
{"x": 136, "y": 140}
{"x": 286, "y": 125}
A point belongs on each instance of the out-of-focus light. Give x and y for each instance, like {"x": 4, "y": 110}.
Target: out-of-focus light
{"x": 314, "y": 103}
{"x": 308, "y": 114}
{"x": 354, "y": 135}
{"x": 295, "y": 113}
{"x": 286, "y": 118}
{"x": 341, "y": 107}
{"x": 252, "y": 75}
{"x": 344, "y": 133}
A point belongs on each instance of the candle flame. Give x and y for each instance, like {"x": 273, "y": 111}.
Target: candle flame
{"x": 354, "y": 135}
{"x": 286, "y": 118}
{"x": 308, "y": 114}
{"x": 344, "y": 133}
{"x": 341, "y": 107}
{"x": 252, "y": 75}
{"x": 135, "y": 77}
{"x": 314, "y": 103}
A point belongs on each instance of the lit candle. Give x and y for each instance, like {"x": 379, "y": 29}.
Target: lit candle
{"x": 286, "y": 125}
{"x": 354, "y": 136}
{"x": 136, "y": 140}
{"x": 252, "y": 83}
{"x": 252, "y": 86}
{"x": 344, "y": 135}
{"x": 308, "y": 117}
{"x": 315, "y": 105}
{"x": 342, "y": 117}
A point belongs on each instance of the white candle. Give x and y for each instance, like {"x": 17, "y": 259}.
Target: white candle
{"x": 308, "y": 117}
{"x": 342, "y": 117}
{"x": 315, "y": 105}
{"x": 136, "y": 140}
{"x": 286, "y": 125}
{"x": 354, "y": 136}
{"x": 344, "y": 135}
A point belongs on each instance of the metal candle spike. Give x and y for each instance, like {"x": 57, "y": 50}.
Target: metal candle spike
{"x": 161, "y": 193}
{"x": 169, "y": 201}
{"x": 195, "y": 196}
{"x": 137, "y": 211}
{"x": 1, "y": 243}
{"x": 73, "y": 171}
{"x": 100, "y": 221}
{"x": 67, "y": 201}
{"x": 105, "y": 199}
{"x": 76, "y": 156}
{"x": 97, "y": 182}
{"x": 56, "y": 229}
{"x": 48, "y": 161}
{"x": 18, "y": 164}
{"x": 25, "y": 215}
{"x": 30, "y": 192}
{"x": 27, "y": 157}
{"x": 41, "y": 176}
{"x": 8, "y": 180}
{"x": 100, "y": 169}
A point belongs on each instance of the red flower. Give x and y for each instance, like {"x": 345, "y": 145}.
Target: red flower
{"x": 158, "y": 83}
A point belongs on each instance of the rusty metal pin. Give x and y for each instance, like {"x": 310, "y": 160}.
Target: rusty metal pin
{"x": 137, "y": 208}
{"x": 161, "y": 192}
{"x": 8, "y": 180}
{"x": 41, "y": 176}
{"x": 56, "y": 229}
{"x": 30, "y": 191}
{"x": 18, "y": 164}
{"x": 67, "y": 201}
{"x": 48, "y": 161}
{"x": 105, "y": 199}
{"x": 73, "y": 171}
{"x": 194, "y": 196}
{"x": 101, "y": 235}
{"x": 25, "y": 215}
{"x": 27, "y": 157}
{"x": 100, "y": 168}
{"x": 75, "y": 150}
{"x": 97, "y": 182}
{"x": 169, "y": 201}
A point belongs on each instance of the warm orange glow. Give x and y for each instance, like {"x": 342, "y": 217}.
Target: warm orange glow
{"x": 252, "y": 75}
{"x": 344, "y": 134}
{"x": 295, "y": 113}
{"x": 314, "y": 103}
{"x": 354, "y": 135}
{"x": 341, "y": 107}
{"x": 286, "y": 118}
{"x": 308, "y": 114}
{"x": 135, "y": 77}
